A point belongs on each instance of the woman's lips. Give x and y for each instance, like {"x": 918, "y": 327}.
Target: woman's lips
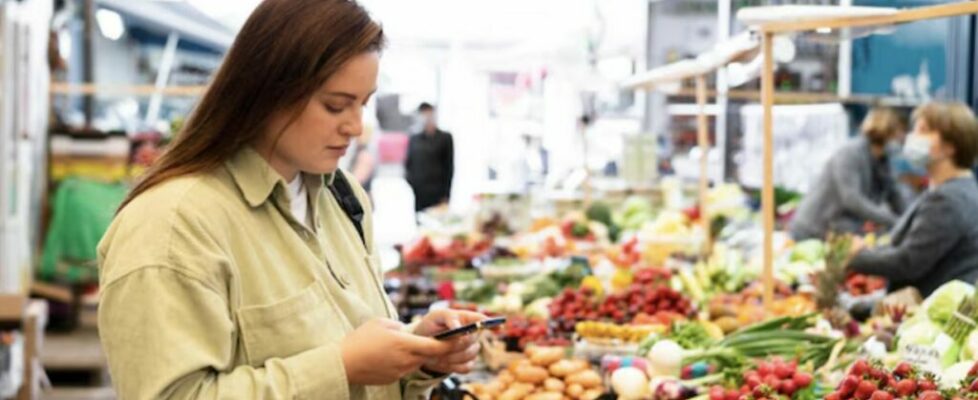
{"x": 339, "y": 150}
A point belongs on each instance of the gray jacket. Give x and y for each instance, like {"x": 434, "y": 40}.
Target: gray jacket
{"x": 853, "y": 189}
{"x": 934, "y": 242}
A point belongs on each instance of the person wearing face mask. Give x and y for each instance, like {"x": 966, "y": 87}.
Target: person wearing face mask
{"x": 856, "y": 186}
{"x": 243, "y": 264}
{"x": 936, "y": 240}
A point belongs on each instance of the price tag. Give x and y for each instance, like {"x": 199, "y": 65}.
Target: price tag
{"x": 927, "y": 357}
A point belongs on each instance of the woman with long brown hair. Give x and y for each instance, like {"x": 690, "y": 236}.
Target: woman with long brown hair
{"x": 243, "y": 266}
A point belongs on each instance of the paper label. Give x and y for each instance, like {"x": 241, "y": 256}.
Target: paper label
{"x": 922, "y": 356}
{"x": 927, "y": 357}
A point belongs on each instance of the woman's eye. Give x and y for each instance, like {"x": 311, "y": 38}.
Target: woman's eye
{"x": 334, "y": 110}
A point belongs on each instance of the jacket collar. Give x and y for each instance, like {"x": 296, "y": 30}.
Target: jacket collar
{"x": 257, "y": 181}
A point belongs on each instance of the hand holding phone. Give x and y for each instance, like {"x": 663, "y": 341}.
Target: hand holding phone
{"x": 471, "y": 328}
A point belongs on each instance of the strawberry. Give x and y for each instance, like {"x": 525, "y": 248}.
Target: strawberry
{"x": 802, "y": 379}
{"x": 764, "y": 368}
{"x": 865, "y": 390}
{"x": 848, "y": 385}
{"x": 760, "y": 391}
{"x": 716, "y": 393}
{"x": 906, "y": 387}
{"x": 930, "y": 395}
{"x": 927, "y": 385}
{"x": 833, "y": 396}
{"x": 783, "y": 371}
{"x": 788, "y": 388}
{"x": 881, "y": 395}
{"x": 903, "y": 370}
{"x": 753, "y": 382}
{"x": 859, "y": 368}
{"x": 731, "y": 394}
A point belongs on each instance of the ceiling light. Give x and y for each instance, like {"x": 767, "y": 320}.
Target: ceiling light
{"x": 110, "y": 24}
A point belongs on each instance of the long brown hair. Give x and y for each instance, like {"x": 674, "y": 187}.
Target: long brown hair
{"x": 286, "y": 50}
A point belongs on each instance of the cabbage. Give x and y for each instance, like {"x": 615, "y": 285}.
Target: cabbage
{"x": 808, "y": 251}
{"x": 920, "y": 331}
{"x": 945, "y": 300}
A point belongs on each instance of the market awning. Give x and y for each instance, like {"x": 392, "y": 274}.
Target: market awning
{"x": 182, "y": 18}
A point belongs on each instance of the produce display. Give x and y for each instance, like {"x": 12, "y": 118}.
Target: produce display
{"x": 574, "y": 306}
{"x": 545, "y": 374}
{"x": 768, "y": 379}
{"x": 625, "y": 301}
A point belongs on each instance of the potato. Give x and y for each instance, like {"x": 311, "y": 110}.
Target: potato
{"x": 554, "y": 385}
{"x": 516, "y": 392}
{"x": 506, "y": 377}
{"x": 513, "y": 366}
{"x": 546, "y": 396}
{"x": 575, "y": 390}
{"x": 592, "y": 394}
{"x": 564, "y": 368}
{"x": 531, "y": 374}
{"x": 587, "y": 379}
{"x": 579, "y": 365}
{"x": 545, "y": 356}
{"x": 494, "y": 388}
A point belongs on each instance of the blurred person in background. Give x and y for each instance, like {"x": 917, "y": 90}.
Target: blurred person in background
{"x": 363, "y": 162}
{"x": 936, "y": 240}
{"x": 243, "y": 265}
{"x": 430, "y": 163}
{"x": 857, "y": 188}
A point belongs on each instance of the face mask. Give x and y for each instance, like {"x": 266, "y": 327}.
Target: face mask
{"x": 916, "y": 150}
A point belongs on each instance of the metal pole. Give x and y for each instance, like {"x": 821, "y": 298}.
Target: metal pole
{"x": 723, "y": 33}
{"x": 88, "y": 57}
{"x": 767, "y": 192}
{"x": 162, "y": 76}
{"x": 703, "y": 138}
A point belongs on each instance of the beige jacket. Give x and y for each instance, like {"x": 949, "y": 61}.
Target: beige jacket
{"x": 212, "y": 290}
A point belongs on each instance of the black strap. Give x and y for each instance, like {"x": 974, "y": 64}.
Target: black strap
{"x": 344, "y": 195}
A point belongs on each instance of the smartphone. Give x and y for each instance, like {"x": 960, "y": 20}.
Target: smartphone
{"x": 471, "y": 328}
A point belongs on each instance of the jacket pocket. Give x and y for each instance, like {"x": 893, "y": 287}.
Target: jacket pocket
{"x": 300, "y": 322}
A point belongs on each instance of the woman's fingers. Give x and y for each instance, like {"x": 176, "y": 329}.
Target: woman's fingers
{"x": 463, "y": 356}
{"x": 424, "y": 346}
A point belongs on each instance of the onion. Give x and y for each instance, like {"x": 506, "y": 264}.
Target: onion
{"x": 629, "y": 383}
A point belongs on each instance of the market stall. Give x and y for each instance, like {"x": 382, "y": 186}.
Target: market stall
{"x": 772, "y": 21}
{"x": 600, "y": 304}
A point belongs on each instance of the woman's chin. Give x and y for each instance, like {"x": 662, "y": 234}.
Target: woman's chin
{"x": 323, "y": 169}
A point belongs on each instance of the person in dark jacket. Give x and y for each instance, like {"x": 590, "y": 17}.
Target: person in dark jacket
{"x": 856, "y": 186}
{"x": 936, "y": 240}
{"x": 430, "y": 162}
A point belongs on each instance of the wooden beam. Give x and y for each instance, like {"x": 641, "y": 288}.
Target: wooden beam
{"x": 12, "y": 308}
{"x": 61, "y": 88}
{"x": 806, "y": 98}
{"x": 34, "y": 323}
{"x": 52, "y": 292}
{"x": 767, "y": 192}
{"x": 703, "y": 138}
{"x": 904, "y": 16}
